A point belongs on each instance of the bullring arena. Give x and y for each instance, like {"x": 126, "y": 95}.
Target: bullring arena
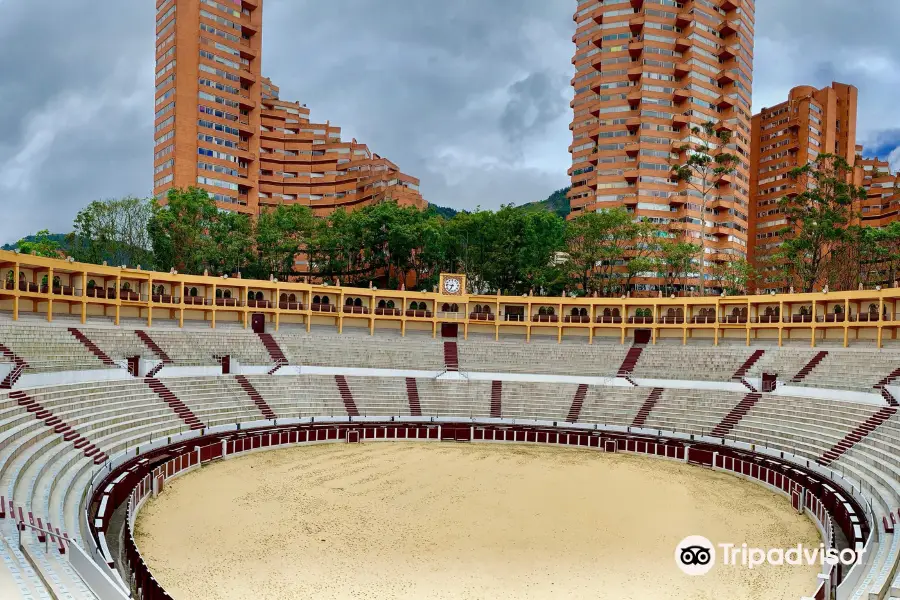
{"x": 170, "y": 436}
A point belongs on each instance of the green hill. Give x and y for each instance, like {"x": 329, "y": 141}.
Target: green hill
{"x": 555, "y": 202}
{"x": 57, "y": 237}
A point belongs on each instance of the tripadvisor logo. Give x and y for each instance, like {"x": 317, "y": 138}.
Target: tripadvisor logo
{"x": 696, "y": 555}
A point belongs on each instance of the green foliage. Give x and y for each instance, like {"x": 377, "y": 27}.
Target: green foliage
{"x": 817, "y": 221}
{"x": 557, "y": 202}
{"x": 733, "y": 275}
{"x": 279, "y": 236}
{"x": 675, "y": 264}
{"x": 41, "y": 244}
{"x": 707, "y": 164}
{"x": 180, "y": 230}
{"x": 59, "y": 238}
{"x": 597, "y": 242}
{"x": 114, "y": 231}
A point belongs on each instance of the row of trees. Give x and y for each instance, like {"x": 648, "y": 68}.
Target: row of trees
{"x": 511, "y": 250}
{"x": 822, "y": 240}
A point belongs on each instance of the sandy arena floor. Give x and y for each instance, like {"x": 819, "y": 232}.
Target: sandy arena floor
{"x": 419, "y": 521}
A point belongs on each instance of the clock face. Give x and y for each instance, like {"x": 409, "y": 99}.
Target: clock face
{"x": 451, "y": 285}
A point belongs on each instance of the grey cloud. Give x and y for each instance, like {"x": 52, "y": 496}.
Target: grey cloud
{"x": 534, "y": 102}
{"x": 471, "y": 96}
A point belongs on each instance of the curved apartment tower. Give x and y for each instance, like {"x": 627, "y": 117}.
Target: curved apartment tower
{"x": 220, "y": 126}
{"x": 787, "y": 136}
{"x": 308, "y": 163}
{"x": 647, "y": 71}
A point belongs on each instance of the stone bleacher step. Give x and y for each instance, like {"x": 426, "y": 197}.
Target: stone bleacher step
{"x": 747, "y": 365}
{"x": 631, "y": 358}
{"x": 814, "y": 361}
{"x": 346, "y": 395}
{"x": 577, "y": 404}
{"x": 177, "y": 406}
{"x": 257, "y": 398}
{"x": 641, "y": 417}
{"x": 90, "y": 345}
{"x": 736, "y": 414}
{"x": 412, "y": 395}
{"x": 496, "y": 399}
{"x": 855, "y": 436}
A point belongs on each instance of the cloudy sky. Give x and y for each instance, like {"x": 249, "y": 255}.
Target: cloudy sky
{"x": 471, "y": 96}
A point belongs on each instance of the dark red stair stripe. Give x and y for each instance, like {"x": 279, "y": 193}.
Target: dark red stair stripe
{"x": 496, "y": 399}
{"x": 855, "y": 436}
{"x": 577, "y": 403}
{"x": 412, "y": 394}
{"x": 90, "y": 345}
{"x": 736, "y": 414}
{"x": 257, "y": 398}
{"x": 748, "y": 364}
{"x": 451, "y": 356}
{"x": 346, "y": 395}
{"x": 631, "y": 358}
{"x": 641, "y": 417}
{"x": 177, "y": 406}
{"x": 809, "y": 366}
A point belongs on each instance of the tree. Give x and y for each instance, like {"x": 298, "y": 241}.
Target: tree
{"x": 230, "y": 245}
{"x": 675, "y": 263}
{"x": 733, "y": 275}
{"x": 643, "y": 251}
{"x": 817, "y": 219}
{"x": 868, "y": 256}
{"x": 431, "y": 254}
{"x": 596, "y": 243}
{"x": 115, "y": 231}
{"x": 707, "y": 165}
{"x": 279, "y": 236}
{"x": 42, "y": 244}
{"x": 179, "y": 230}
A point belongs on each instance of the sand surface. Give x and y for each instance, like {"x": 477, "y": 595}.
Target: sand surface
{"x": 453, "y": 521}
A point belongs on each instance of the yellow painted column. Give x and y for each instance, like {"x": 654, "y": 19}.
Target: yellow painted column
{"x": 214, "y": 307}
{"x": 16, "y": 292}
{"x": 812, "y": 325}
{"x": 747, "y": 324}
{"x": 50, "y": 295}
{"x": 118, "y": 298}
{"x": 150, "y": 303}
{"x": 84, "y": 280}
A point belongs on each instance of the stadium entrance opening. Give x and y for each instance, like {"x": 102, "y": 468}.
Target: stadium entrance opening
{"x": 449, "y": 330}
{"x": 258, "y": 322}
{"x": 641, "y": 336}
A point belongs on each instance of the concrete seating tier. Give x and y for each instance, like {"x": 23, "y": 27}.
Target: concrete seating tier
{"x": 786, "y": 361}
{"x": 47, "y": 475}
{"x": 202, "y": 347}
{"x": 118, "y": 343}
{"x": 597, "y": 360}
{"x": 48, "y": 348}
{"x": 300, "y": 396}
{"x": 708, "y": 364}
{"x": 858, "y": 370}
{"x": 362, "y": 351}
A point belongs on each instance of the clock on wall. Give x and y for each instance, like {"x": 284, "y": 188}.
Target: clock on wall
{"x": 452, "y": 284}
